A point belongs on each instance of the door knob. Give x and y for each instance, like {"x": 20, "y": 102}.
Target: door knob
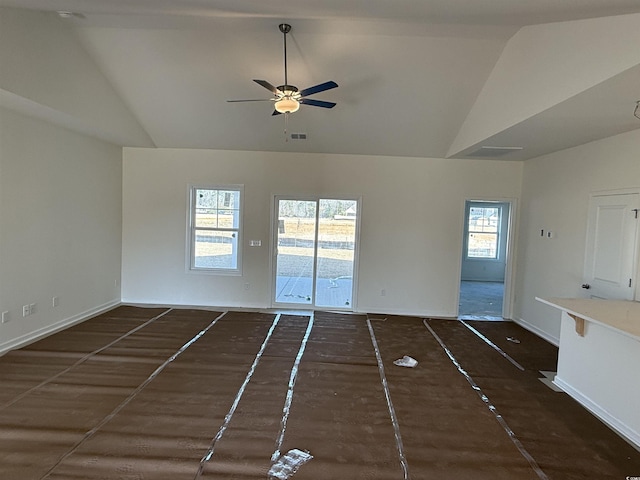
{"x": 586, "y": 286}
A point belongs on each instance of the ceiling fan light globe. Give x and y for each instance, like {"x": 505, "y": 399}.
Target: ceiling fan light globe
{"x": 287, "y": 105}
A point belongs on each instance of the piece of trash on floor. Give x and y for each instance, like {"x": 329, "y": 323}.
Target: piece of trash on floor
{"x": 406, "y": 361}
{"x": 288, "y": 464}
{"x": 513, "y": 340}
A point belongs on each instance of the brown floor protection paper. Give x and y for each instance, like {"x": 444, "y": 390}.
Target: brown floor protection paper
{"x": 565, "y": 439}
{"x": 26, "y": 368}
{"x": 138, "y": 394}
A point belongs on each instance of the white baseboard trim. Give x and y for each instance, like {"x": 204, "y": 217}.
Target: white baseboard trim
{"x": 40, "y": 333}
{"x": 615, "y": 424}
{"x": 404, "y": 313}
{"x": 541, "y": 333}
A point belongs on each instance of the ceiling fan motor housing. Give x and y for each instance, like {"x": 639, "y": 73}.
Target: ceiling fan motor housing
{"x": 288, "y": 90}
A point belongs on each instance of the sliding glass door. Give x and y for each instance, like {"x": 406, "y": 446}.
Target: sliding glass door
{"x": 295, "y": 251}
{"x": 315, "y": 252}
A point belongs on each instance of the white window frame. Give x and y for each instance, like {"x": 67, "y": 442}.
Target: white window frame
{"x": 468, "y": 231}
{"x": 192, "y": 228}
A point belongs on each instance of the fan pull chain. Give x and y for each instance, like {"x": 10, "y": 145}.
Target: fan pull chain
{"x": 286, "y": 125}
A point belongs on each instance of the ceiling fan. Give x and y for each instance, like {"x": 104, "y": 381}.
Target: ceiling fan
{"x": 287, "y": 98}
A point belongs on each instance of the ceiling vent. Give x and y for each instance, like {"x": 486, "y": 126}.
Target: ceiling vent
{"x": 298, "y": 136}
{"x": 490, "y": 152}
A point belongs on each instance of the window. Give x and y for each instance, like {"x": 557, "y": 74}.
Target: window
{"x": 215, "y": 229}
{"x": 483, "y": 227}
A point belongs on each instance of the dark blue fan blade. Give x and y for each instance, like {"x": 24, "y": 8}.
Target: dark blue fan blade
{"x": 275, "y": 112}
{"x": 268, "y": 86}
{"x": 317, "y": 103}
{"x": 318, "y": 88}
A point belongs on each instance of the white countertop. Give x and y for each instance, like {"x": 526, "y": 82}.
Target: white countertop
{"x": 620, "y": 315}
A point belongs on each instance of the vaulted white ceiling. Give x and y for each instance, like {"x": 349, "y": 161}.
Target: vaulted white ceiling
{"x": 424, "y": 78}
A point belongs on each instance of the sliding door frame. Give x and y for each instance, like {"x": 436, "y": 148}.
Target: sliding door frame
{"x": 274, "y": 249}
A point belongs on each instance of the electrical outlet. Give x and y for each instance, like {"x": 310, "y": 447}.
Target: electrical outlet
{"x": 6, "y": 316}
{"x": 26, "y": 311}
{"x": 32, "y": 309}
{"x": 246, "y": 286}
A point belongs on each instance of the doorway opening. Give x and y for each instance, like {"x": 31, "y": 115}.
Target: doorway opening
{"x": 315, "y": 253}
{"x": 484, "y": 260}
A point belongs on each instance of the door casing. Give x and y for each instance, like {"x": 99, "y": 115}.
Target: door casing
{"x": 274, "y": 247}
{"x": 507, "y": 302}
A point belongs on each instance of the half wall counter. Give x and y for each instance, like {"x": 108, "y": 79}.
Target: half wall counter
{"x": 599, "y": 359}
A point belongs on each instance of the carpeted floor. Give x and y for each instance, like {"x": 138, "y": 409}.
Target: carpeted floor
{"x": 481, "y": 299}
{"x": 186, "y": 394}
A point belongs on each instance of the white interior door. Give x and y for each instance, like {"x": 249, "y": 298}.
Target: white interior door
{"x": 610, "y": 258}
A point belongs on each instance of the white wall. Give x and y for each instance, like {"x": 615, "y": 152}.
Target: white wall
{"x": 60, "y": 225}
{"x": 555, "y": 197}
{"x": 544, "y": 65}
{"x": 411, "y": 231}
{"x": 45, "y": 71}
